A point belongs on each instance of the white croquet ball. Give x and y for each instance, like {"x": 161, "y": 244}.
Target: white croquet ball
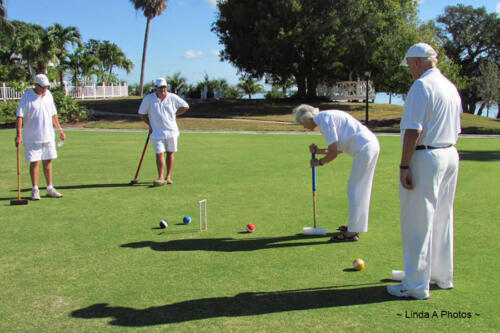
{"x": 358, "y": 264}
{"x": 163, "y": 224}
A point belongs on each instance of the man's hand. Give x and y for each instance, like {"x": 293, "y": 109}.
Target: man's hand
{"x": 150, "y": 129}
{"x": 314, "y": 162}
{"x": 406, "y": 179}
{"x": 18, "y": 140}
{"x": 62, "y": 136}
{"x": 313, "y": 148}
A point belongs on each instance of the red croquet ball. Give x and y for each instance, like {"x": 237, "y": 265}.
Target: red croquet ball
{"x": 250, "y": 227}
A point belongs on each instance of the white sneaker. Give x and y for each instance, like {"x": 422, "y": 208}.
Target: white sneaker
{"x": 399, "y": 291}
{"x": 52, "y": 193}
{"x": 442, "y": 285}
{"x": 35, "y": 194}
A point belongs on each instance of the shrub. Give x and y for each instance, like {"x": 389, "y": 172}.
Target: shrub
{"x": 69, "y": 109}
{"x": 275, "y": 93}
{"x": 8, "y": 110}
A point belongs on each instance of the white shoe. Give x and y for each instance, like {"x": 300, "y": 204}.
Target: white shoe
{"x": 399, "y": 291}
{"x": 35, "y": 195}
{"x": 52, "y": 193}
{"x": 442, "y": 285}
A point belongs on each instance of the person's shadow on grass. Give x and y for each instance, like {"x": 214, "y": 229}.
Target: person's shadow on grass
{"x": 230, "y": 244}
{"x": 244, "y": 304}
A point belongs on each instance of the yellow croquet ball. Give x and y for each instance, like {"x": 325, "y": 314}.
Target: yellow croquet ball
{"x": 358, "y": 264}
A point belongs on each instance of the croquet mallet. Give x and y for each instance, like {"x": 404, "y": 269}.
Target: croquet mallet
{"x": 135, "y": 180}
{"x": 314, "y": 230}
{"x": 19, "y": 201}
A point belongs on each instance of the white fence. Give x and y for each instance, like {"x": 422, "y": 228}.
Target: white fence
{"x": 348, "y": 90}
{"x": 98, "y": 91}
{"x": 82, "y": 92}
{"x": 9, "y": 93}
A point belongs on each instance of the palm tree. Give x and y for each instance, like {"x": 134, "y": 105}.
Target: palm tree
{"x": 150, "y": 9}
{"x": 83, "y": 65}
{"x": 112, "y": 56}
{"x": 61, "y": 37}
{"x": 176, "y": 82}
{"x": 250, "y": 86}
{"x": 3, "y": 16}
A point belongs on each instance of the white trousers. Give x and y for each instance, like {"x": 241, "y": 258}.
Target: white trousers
{"x": 359, "y": 186}
{"x": 427, "y": 220}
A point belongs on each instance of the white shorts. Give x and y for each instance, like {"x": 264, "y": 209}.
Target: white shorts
{"x": 165, "y": 145}
{"x": 34, "y": 151}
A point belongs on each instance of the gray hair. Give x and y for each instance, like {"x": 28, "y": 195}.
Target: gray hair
{"x": 304, "y": 112}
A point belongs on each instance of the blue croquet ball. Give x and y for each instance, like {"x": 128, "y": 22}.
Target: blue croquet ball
{"x": 186, "y": 219}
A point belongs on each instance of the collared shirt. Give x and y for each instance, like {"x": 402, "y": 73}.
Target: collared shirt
{"x": 37, "y": 112}
{"x": 162, "y": 114}
{"x": 433, "y": 106}
{"x": 340, "y": 127}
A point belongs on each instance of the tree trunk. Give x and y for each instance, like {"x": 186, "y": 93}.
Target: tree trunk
{"x": 390, "y": 98}
{"x": 61, "y": 77}
{"x": 301, "y": 85}
{"x": 498, "y": 110}
{"x": 143, "y": 66}
{"x": 480, "y": 111}
{"x": 312, "y": 83}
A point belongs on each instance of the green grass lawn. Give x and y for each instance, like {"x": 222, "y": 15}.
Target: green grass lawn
{"x": 96, "y": 261}
{"x": 382, "y": 117}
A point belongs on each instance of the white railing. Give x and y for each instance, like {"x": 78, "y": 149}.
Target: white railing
{"x": 347, "y": 90}
{"x": 85, "y": 92}
{"x": 7, "y": 93}
{"x": 82, "y": 92}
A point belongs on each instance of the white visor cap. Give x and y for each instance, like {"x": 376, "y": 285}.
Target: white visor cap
{"x": 42, "y": 80}
{"x": 420, "y": 50}
{"x": 161, "y": 82}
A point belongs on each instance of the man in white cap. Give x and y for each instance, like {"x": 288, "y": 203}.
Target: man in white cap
{"x": 428, "y": 175}
{"x": 36, "y": 119}
{"x": 159, "y": 110}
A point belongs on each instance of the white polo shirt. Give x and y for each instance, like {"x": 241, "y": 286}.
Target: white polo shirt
{"x": 433, "y": 106}
{"x": 162, "y": 114}
{"x": 338, "y": 126}
{"x": 37, "y": 112}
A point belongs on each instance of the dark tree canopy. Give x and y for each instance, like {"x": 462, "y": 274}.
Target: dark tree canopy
{"x": 311, "y": 41}
{"x": 470, "y": 36}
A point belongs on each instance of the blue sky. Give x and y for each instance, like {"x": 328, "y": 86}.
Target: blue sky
{"x": 180, "y": 39}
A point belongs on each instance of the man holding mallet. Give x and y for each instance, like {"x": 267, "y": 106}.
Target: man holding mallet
{"x": 159, "y": 110}
{"x": 344, "y": 133}
{"x": 36, "y": 119}
{"x": 428, "y": 175}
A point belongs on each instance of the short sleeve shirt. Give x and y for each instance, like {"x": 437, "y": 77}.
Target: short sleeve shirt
{"x": 37, "y": 112}
{"x": 433, "y": 106}
{"x": 162, "y": 114}
{"x": 340, "y": 127}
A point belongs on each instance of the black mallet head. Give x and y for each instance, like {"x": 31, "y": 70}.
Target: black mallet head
{"x": 133, "y": 182}
{"x": 18, "y": 202}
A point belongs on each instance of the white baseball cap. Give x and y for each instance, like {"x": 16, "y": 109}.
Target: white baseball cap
{"x": 420, "y": 50}
{"x": 42, "y": 80}
{"x": 161, "y": 82}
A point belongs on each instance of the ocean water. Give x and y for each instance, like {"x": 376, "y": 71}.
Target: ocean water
{"x": 383, "y": 98}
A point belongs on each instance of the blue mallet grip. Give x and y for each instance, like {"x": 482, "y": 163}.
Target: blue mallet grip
{"x": 313, "y": 156}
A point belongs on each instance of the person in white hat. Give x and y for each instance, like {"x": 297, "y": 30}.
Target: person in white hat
{"x": 344, "y": 133}
{"x": 159, "y": 110}
{"x": 36, "y": 119}
{"x": 428, "y": 175}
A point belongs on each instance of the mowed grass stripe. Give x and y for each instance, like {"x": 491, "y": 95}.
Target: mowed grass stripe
{"x": 100, "y": 243}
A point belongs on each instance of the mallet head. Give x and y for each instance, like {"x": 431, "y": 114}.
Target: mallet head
{"x": 18, "y": 202}
{"x": 133, "y": 182}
